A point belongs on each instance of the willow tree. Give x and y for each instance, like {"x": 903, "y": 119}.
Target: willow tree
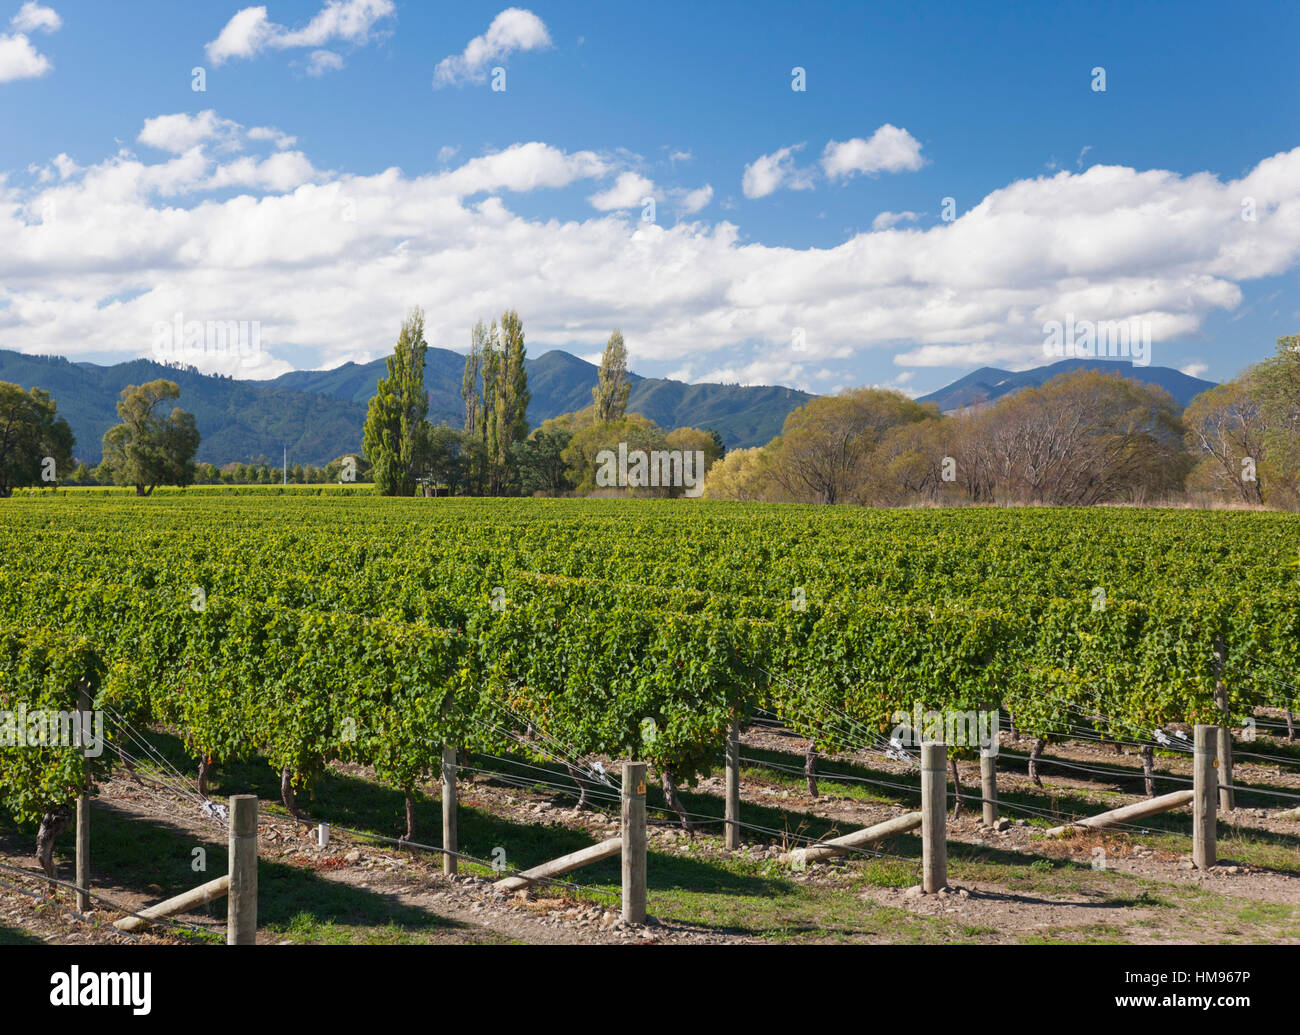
{"x": 390, "y": 438}
{"x": 147, "y": 450}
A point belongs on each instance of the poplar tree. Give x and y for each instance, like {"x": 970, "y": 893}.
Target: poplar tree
{"x": 470, "y": 389}
{"x": 610, "y": 395}
{"x": 390, "y": 438}
{"x": 512, "y": 395}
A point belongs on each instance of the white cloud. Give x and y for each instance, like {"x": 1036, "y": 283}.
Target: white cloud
{"x": 328, "y": 262}
{"x": 346, "y": 20}
{"x": 769, "y": 173}
{"x": 768, "y": 371}
{"x": 180, "y": 132}
{"x": 33, "y": 17}
{"x": 522, "y": 167}
{"x": 888, "y": 220}
{"x": 889, "y": 149}
{"x": 247, "y": 32}
{"x": 628, "y": 191}
{"x": 281, "y": 172}
{"x": 322, "y": 61}
{"x": 250, "y": 31}
{"x": 1195, "y": 369}
{"x": 281, "y": 140}
{"x": 692, "y": 201}
{"x": 66, "y": 166}
{"x": 20, "y": 60}
{"x": 511, "y": 30}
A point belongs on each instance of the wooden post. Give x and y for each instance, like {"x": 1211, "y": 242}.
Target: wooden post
{"x": 181, "y": 903}
{"x": 934, "y": 807}
{"x": 449, "y": 809}
{"x": 989, "y": 786}
{"x": 849, "y": 842}
{"x": 1205, "y": 780}
{"x": 564, "y": 864}
{"x": 1138, "y": 810}
{"x": 634, "y": 843}
{"x": 1223, "y": 747}
{"x": 84, "y": 726}
{"x": 733, "y": 785}
{"x": 241, "y": 912}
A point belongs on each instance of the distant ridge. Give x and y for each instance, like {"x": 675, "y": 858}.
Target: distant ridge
{"x": 318, "y": 414}
{"x": 988, "y": 384}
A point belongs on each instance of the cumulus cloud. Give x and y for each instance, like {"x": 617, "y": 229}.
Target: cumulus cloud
{"x": 629, "y": 191}
{"x": 322, "y": 61}
{"x": 329, "y": 262}
{"x": 511, "y": 30}
{"x": 889, "y": 220}
{"x": 250, "y": 31}
{"x": 769, "y": 173}
{"x": 20, "y": 60}
{"x": 33, "y": 17}
{"x": 521, "y": 168}
{"x": 1195, "y": 369}
{"x": 281, "y": 140}
{"x": 247, "y": 32}
{"x": 692, "y": 201}
{"x": 180, "y": 132}
{"x": 889, "y": 149}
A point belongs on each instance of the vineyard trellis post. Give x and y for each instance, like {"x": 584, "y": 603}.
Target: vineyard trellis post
{"x": 83, "y": 803}
{"x": 1224, "y": 735}
{"x": 1205, "y": 795}
{"x": 241, "y": 912}
{"x": 934, "y": 806}
{"x": 733, "y": 785}
{"x": 634, "y": 843}
{"x": 449, "y": 843}
{"x": 989, "y": 785}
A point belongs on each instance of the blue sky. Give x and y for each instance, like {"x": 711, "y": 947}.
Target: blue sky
{"x": 348, "y": 159}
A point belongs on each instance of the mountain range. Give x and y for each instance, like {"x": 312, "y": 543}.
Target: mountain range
{"x": 988, "y": 384}
{"x": 318, "y": 414}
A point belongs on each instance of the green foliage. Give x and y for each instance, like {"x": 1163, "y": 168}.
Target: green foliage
{"x": 390, "y": 438}
{"x": 40, "y": 676}
{"x": 365, "y": 630}
{"x": 610, "y": 394}
{"x": 539, "y": 463}
{"x": 147, "y": 450}
{"x": 30, "y": 432}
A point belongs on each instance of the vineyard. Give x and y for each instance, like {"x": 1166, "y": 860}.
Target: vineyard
{"x": 545, "y": 640}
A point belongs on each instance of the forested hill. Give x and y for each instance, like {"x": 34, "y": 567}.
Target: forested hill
{"x": 318, "y": 413}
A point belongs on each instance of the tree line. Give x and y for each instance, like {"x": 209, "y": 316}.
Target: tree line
{"x": 1080, "y": 439}
{"x": 147, "y": 449}
{"x": 494, "y": 453}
